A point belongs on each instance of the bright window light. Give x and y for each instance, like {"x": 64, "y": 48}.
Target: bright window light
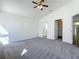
{"x": 4, "y": 41}
{"x": 23, "y": 52}
{"x": 3, "y": 31}
{"x": 7, "y": 38}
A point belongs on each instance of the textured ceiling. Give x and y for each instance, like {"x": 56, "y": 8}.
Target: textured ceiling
{"x": 25, "y": 7}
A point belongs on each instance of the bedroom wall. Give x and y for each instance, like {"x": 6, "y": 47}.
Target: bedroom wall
{"x": 0, "y": 5}
{"x": 18, "y": 27}
{"x": 65, "y": 13}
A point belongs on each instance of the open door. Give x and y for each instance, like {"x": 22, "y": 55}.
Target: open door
{"x": 58, "y": 29}
{"x": 76, "y": 30}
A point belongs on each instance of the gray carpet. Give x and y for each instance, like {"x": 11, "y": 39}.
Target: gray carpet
{"x": 39, "y": 48}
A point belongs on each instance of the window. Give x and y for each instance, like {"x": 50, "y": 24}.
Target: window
{"x": 4, "y": 38}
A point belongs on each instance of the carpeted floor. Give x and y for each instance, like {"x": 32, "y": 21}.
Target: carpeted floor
{"x": 40, "y": 48}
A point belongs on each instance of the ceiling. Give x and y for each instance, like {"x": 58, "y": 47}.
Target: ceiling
{"x": 25, "y": 7}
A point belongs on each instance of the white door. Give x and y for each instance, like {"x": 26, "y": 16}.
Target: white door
{"x": 44, "y": 31}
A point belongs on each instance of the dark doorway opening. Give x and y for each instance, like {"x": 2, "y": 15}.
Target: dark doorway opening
{"x": 58, "y": 29}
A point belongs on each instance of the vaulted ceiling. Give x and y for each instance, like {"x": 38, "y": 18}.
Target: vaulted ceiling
{"x": 25, "y": 7}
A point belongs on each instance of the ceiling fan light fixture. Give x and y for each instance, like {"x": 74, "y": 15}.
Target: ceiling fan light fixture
{"x": 40, "y": 7}
{"x": 39, "y": 4}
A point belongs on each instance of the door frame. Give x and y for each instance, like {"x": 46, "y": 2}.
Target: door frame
{"x": 55, "y": 31}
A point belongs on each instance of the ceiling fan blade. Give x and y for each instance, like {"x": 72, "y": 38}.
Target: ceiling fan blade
{"x": 35, "y": 7}
{"x": 45, "y": 5}
{"x": 34, "y": 2}
{"x": 42, "y": 0}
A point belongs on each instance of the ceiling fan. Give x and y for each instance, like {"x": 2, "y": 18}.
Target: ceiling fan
{"x": 39, "y": 4}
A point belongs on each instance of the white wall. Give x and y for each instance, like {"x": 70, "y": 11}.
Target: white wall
{"x": 65, "y": 13}
{"x": 0, "y": 5}
{"x": 18, "y": 27}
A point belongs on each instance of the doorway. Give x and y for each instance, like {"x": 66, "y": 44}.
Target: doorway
{"x": 58, "y": 29}
{"x": 76, "y": 30}
{"x": 44, "y": 31}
